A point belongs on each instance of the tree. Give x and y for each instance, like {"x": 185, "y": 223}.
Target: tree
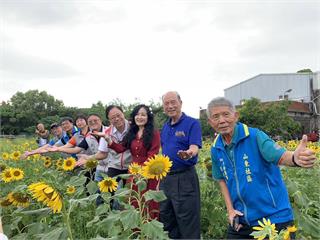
{"x": 24, "y": 110}
{"x": 270, "y": 117}
{"x": 306, "y": 70}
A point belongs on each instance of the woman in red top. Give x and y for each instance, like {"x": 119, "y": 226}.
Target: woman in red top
{"x": 144, "y": 142}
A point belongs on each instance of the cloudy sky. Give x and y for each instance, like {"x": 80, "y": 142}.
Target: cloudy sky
{"x": 84, "y": 51}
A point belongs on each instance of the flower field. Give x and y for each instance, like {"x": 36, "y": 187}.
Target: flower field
{"x": 44, "y": 197}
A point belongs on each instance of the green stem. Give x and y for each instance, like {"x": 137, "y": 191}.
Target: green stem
{"x": 66, "y": 218}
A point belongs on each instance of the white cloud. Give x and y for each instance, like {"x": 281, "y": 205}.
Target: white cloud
{"x": 82, "y": 52}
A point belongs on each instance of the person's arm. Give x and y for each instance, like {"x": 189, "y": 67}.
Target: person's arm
{"x": 83, "y": 158}
{"x": 301, "y": 157}
{"x": 43, "y": 149}
{"x": 273, "y": 153}
{"x": 66, "y": 149}
{"x": 155, "y": 145}
{"x": 119, "y": 148}
{"x": 232, "y": 213}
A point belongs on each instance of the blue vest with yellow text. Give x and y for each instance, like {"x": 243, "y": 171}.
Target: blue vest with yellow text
{"x": 256, "y": 187}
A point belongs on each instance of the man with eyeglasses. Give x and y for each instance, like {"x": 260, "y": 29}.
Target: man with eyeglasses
{"x": 90, "y": 144}
{"x": 118, "y": 163}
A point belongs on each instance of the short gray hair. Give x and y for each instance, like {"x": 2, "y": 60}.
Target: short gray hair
{"x": 175, "y": 92}
{"x": 218, "y": 102}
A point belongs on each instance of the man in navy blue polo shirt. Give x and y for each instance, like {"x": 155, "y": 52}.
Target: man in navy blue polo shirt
{"x": 180, "y": 141}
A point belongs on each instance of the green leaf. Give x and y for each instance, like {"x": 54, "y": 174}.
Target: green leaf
{"x": 21, "y": 236}
{"x": 37, "y": 212}
{"x": 36, "y": 228}
{"x": 129, "y": 218}
{"x": 54, "y": 234}
{"x": 153, "y": 230}
{"x": 92, "y": 187}
{"x": 157, "y": 196}
{"x": 109, "y": 222}
{"x": 101, "y": 209}
{"x": 77, "y": 181}
{"x": 124, "y": 176}
{"x": 142, "y": 185}
{"x": 93, "y": 221}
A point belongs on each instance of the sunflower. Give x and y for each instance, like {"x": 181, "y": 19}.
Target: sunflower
{"x": 69, "y": 164}
{"x": 267, "y": 228}
{"x": 6, "y": 175}
{"x": 59, "y": 163}
{"x": 156, "y": 167}
{"x": 45, "y": 158}
{"x": 286, "y": 235}
{"x": 135, "y": 168}
{"x": 91, "y": 163}
{"x": 17, "y": 173}
{"x": 5, "y": 202}
{"x": 71, "y": 190}
{"x": 16, "y": 155}
{"x": 2, "y": 167}
{"x": 108, "y": 185}
{"x": 46, "y": 194}
{"x": 5, "y": 156}
{"x": 19, "y": 199}
{"x": 47, "y": 163}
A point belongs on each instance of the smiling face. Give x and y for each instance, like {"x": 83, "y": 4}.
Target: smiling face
{"x": 67, "y": 126}
{"x": 172, "y": 105}
{"x": 223, "y": 119}
{"x": 94, "y": 123}
{"x": 57, "y": 131}
{"x": 81, "y": 123}
{"x": 141, "y": 118}
{"x": 40, "y": 127}
{"x": 117, "y": 119}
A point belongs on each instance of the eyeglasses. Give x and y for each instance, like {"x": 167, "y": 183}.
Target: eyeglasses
{"x": 115, "y": 117}
{"x": 94, "y": 121}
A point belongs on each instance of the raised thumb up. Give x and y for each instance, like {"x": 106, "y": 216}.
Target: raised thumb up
{"x": 303, "y": 156}
{"x": 303, "y": 143}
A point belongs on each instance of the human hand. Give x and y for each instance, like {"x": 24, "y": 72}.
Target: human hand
{"x": 25, "y": 155}
{"x": 81, "y": 161}
{"x": 233, "y": 217}
{"x": 107, "y": 137}
{"x": 303, "y": 156}
{"x": 98, "y": 134}
{"x": 185, "y": 155}
{"x": 53, "y": 149}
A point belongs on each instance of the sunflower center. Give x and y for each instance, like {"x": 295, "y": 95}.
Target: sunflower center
{"x": 157, "y": 168}
{"x": 16, "y": 173}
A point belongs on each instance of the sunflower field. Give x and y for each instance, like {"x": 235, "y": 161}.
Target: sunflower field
{"x": 46, "y": 197}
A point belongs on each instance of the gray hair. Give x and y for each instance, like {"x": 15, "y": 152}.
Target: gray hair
{"x": 175, "y": 92}
{"x": 219, "y": 102}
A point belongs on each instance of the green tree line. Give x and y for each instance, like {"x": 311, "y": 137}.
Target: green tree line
{"x": 23, "y": 111}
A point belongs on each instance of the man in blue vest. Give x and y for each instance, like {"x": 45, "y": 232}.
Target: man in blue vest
{"x": 246, "y": 162}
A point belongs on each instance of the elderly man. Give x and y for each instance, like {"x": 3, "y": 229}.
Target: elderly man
{"x": 246, "y": 162}
{"x": 180, "y": 141}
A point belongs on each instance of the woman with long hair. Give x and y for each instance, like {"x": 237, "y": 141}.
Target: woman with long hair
{"x": 143, "y": 140}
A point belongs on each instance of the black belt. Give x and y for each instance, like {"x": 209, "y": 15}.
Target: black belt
{"x": 180, "y": 170}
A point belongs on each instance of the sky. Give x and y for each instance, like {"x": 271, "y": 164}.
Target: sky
{"x": 82, "y": 51}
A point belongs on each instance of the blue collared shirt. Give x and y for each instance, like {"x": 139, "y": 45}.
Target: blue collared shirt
{"x": 179, "y": 136}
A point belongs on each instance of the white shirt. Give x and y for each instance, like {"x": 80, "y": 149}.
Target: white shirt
{"x": 115, "y": 135}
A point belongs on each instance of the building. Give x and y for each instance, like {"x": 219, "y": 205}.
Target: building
{"x": 303, "y": 89}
